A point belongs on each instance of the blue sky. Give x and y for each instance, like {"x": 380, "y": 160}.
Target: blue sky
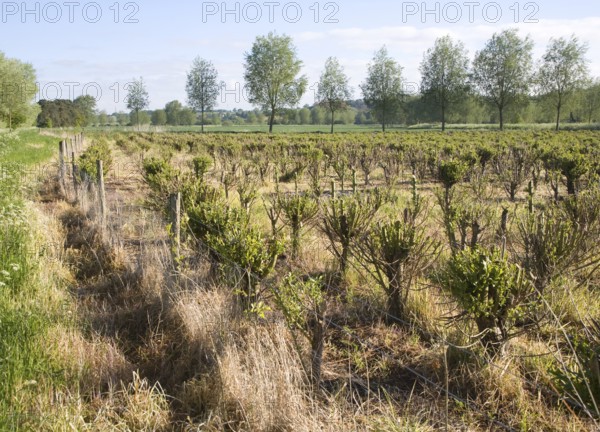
{"x": 96, "y": 48}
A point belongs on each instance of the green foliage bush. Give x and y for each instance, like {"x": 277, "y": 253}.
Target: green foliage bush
{"x": 247, "y": 248}
{"x": 99, "y": 150}
{"x": 201, "y": 165}
{"x": 451, "y": 172}
{"x": 297, "y": 210}
{"x": 159, "y": 174}
{"x": 489, "y": 289}
{"x": 346, "y": 218}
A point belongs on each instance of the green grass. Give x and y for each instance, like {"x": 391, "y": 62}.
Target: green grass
{"x": 28, "y": 147}
{"x": 27, "y": 306}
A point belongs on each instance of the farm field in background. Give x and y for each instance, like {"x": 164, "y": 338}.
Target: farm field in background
{"x": 325, "y": 129}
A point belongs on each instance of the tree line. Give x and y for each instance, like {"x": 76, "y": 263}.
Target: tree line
{"x": 503, "y": 77}
{"x": 502, "y": 81}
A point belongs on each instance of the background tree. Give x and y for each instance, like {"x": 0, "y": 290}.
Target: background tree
{"x": 333, "y": 89}
{"x": 317, "y": 115}
{"x": 122, "y": 118}
{"x": 140, "y": 118}
{"x": 159, "y": 117}
{"x": 68, "y": 113}
{"x": 271, "y": 73}
{"x": 382, "y": 90}
{"x": 562, "y": 71}
{"x": 137, "y": 98}
{"x": 202, "y": 87}
{"x": 173, "y": 110}
{"x": 590, "y": 100}
{"x": 17, "y": 90}
{"x": 502, "y": 70}
{"x": 444, "y": 73}
{"x": 304, "y": 114}
{"x": 102, "y": 119}
{"x": 187, "y": 117}
{"x": 85, "y": 109}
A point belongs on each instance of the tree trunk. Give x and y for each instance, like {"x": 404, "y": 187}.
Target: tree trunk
{"x": 443, "y": 118}
{"x": 202, "y": 119}
{"x": 383, "y": 120}
{"x": 332, "y": 120}
{"x": 295, "y": 240}
{"x": 318, "y": 335}
{"x": 570, "y": 186}
{"x": 394, "y": 301}
{"x": 344, "y": 259}
{"x": 558, "y": 116}
{"x": 271, "y": 120}
{"x": 501, "y": 110}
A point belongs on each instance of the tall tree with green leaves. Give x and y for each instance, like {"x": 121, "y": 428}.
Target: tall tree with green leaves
{"x": 202, "y": 87}
{"x": 159, "y": 117}
{"x": 173, "y": 111}
{"x": 382, "y": 90}
{"x": 333, "y": 91}
{"x": 85, "y": 107}
{"x": 563, "y": 70}
{"x": 17, "y": 91}
{"x": 444, "y": 75}
{"x": 271, "y": 74}
{"x": 590, "y": 99}
{"x": 502, "y": 70}
{"x": 137, "y": 98}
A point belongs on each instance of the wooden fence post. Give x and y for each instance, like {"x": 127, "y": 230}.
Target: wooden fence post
{"x": 74, "y": 173}
{"x": 101, "y": 193}
{"x": 175, "y": 213}
{"x": 61, "y": 166}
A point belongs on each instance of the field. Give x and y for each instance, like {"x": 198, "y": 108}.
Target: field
{"x": 338, "y": 128}
{"x": 410, "y": 280}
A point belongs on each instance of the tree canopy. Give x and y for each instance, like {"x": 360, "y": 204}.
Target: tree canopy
{"x": 137, "y": 98}
{"x": 382, "y": 90}
{"x": 502, "y": 70}
{"x": 66, "y": 113}
{"x": 202, "y": 87}
{"x": 444, "y": 75}
{"x": 17, "y": 91}
{"x": 333, "y": 90}
{"x": 562, "y": 71}
{"x": 271, "y": 74}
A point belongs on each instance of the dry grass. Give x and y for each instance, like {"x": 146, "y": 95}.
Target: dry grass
{"x": 258, "y": 384}
{"x": 137, "y": 406}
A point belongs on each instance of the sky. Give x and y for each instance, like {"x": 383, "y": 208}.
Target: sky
{"x": 96, "y": 48}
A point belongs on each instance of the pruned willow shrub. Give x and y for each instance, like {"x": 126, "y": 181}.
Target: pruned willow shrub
{"x": 303, "y": 302}
{"x": 245, "y": 248}
{"x": 99, "y": 150}
{"x": 491, "y": 291}
{"x": 345, "y": 219}
{"x": 397, "y": 252}
{"x": 297, "y": 210}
